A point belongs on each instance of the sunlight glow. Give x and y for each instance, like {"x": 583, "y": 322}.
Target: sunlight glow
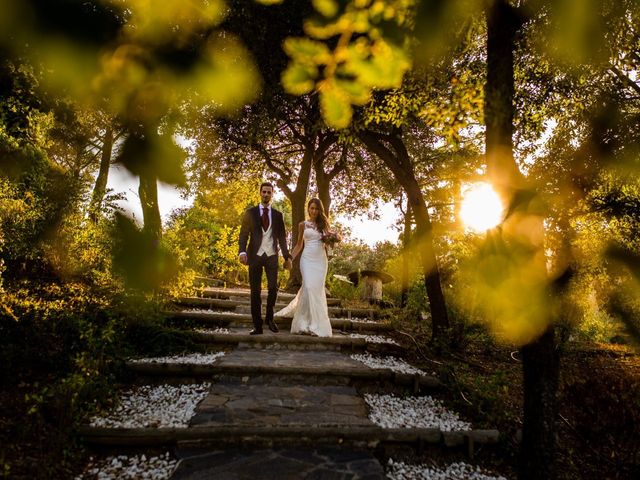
{"x": 481, "y": 207}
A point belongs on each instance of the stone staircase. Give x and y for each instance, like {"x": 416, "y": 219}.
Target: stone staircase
{"x": 281, "y": 405}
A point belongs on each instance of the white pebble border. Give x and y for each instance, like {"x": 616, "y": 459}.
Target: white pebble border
{"x": 222, "y": 330}
{"x": 389, "y": 411}
{"x": 455, "y": 471}
{"x": 390, "y": 362}
{"x": 189, "y": 359}
{"x": 374, "y": 338}
{"x": 130, "y": 468}
{"x": 155, "y": 406}
{"x": 356, "y": 320}
{"x": 211, "y": 312}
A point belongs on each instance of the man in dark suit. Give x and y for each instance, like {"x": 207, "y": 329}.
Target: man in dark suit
{"x": 263, "y": 227}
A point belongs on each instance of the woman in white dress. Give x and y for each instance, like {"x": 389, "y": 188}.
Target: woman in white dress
{"x": 309, "y": 307}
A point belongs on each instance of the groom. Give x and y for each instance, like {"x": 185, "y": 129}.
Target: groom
{"x": 263, "y": 227}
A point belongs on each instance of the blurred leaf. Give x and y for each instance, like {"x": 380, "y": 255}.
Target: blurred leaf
{"x": 335, "y": 105}
{"x": 439, "y": 21}
{"x": 380, "y": 65}
{"x": 358, "y": 93}
{"x": 305, "y": 50}
{"x": 626, "y": 257}
{"x": 576, "y": 32}
{"x": 299, "y": 79}
{"x": 269, "y": 2}
{"x": 174, "y": 19}
{"x": 328, "y": 8}
{"x": 506, "y": 284}
{"x": 156, "y": 153}
{"x": 137, "y": 256}
{"x": 357, "y": 46}
{"x": 225, "y": 77}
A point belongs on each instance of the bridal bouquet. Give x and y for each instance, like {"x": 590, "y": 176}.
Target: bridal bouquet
{"x": 330, "y": 239}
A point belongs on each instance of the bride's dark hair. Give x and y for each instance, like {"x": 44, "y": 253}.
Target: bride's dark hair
{"x": 321, "y": 221}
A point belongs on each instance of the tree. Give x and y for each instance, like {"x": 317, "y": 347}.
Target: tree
{"x": 391, "y": 149}
{"x": 104, "y": 144}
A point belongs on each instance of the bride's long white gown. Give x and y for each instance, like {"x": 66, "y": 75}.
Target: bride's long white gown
{"x": 309, "y": 307}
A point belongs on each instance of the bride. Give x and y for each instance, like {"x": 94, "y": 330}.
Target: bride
{"x": 309, "y": 307}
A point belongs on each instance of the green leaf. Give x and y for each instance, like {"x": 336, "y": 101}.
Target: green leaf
{"x": 358, "y": 93}
{"x": 335, "y": 106}
{"x": 299, "y": 79}
{"x": 305, "y": 50}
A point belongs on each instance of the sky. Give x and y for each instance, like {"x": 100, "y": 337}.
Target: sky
{"x": 369, "y": 231}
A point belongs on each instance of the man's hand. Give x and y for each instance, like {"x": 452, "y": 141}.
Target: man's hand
{"x": 288, "y": 264}
{"x": 243, "y": 258}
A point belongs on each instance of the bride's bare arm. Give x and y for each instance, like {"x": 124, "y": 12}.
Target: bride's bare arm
{"x": 300, "y": 243}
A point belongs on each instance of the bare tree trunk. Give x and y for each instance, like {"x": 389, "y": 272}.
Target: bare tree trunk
{"x": 392, "y": 151}
{"x": 298, "y": 199}
{"x": 406, "y": 240}
{"x": 324, "y": 184}
{"x": 100, "y": 187}
{"x": 148, "y": 191}
{"x": 540, "y": 359}
{"x": 324, "y": 179}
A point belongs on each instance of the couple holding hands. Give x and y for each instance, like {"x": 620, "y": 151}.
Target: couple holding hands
{"x": 264, "y": 230}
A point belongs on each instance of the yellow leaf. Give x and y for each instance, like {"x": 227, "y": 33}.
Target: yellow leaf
{"x": 328, "y": 8}
{"x": 335, "y": 105}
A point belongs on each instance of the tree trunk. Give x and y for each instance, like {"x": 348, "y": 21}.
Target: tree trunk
{"x": 324, "y": 179}
{"x": 540, "y": 368}
{"x": 148, "y": 191}
{"x": 430, "y": 269}
{"x": 399, "y": 163}
{"x": 324, "y": 183}
{"x": 298, "y": 198}
{"x": 100, "y": 187}
{"x": 540, "y": 359}
{"x": 406, "y": 239}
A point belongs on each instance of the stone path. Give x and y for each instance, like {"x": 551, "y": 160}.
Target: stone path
{"x": 281, "y": 405}
{"x": 260, "y": 405}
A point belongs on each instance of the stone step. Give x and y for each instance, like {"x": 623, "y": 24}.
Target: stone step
{"x": 225, "y": 436}
{"x": 286, "y": 340}
{"x": 202, "y": 281}
{"x": 281, "y": 405}
{"x": 261, "y": 366}
{"x": 238, "y": 320}
{"x": 281, "y": 463}
{"x": 244, "y": 293}
{"x": 239, "y": 294}
{"x": 238, "y": 307}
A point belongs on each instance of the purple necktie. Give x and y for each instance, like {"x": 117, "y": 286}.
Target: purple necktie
{"x": 265, "y": 219}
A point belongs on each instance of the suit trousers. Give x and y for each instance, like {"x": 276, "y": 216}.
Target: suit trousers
{"x": 270, "y": 266}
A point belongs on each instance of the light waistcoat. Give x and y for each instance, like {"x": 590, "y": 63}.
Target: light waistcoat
{"x": 266, "y": 246}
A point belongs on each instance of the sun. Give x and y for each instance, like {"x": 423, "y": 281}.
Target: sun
{"x": 481, "y": 207}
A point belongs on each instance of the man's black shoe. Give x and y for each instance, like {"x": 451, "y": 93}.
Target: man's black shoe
{"x": 272, "y": 326}
{"x": 255, "y": 331}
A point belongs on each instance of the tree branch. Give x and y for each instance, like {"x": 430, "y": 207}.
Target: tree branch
{"x": 624, "y": 78}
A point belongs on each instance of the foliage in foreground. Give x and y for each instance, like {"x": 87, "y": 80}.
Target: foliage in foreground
{"x": 63, "y": 349}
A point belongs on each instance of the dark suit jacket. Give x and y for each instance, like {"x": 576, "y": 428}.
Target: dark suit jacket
{"x": 251, "y": 230}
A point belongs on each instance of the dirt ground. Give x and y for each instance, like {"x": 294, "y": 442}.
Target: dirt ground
{"x": 598, "y": 424}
